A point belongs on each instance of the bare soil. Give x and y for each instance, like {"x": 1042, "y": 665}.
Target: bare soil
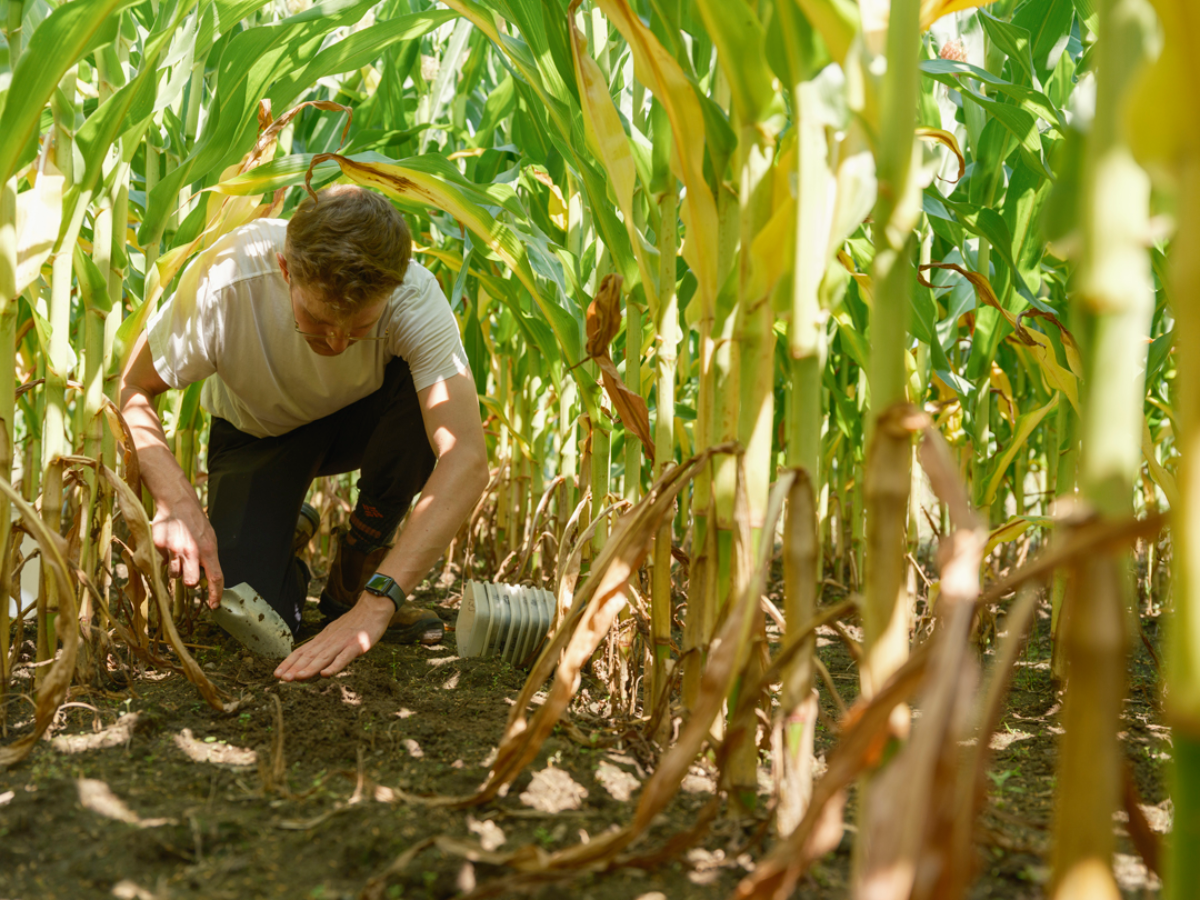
{"x": 152, "y": 794}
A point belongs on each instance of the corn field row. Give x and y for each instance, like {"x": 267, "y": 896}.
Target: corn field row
{"x": 741, "y": 282}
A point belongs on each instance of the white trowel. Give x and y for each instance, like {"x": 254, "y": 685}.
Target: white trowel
{"x": 250, "y": 619}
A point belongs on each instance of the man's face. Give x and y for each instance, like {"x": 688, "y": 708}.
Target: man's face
{"x": 327, "y": 331}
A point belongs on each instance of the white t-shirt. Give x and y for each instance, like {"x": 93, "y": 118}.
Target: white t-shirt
{"x": 231, "y": 322}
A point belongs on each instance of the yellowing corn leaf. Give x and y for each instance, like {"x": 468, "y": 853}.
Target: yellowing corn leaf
{"x": 1057, "y": 378}
{"x": 947, "y": 140}
{"x": 1022, "y": 430}
{"x": 863, "y": 279}
{"x": 607, "y": 139}
{"x": 1158, "y": 474}
{"x": 950, "y": 423}
{"x": 1010, "y": 531}
{"x": 1037, "y": 344}
{"x": 837, "y": 21}
{"x": 659, "y": 71}
{"x": 771, "y": 259}
{"x": 945, "y": 392}
{"x": 1161, "y": 138}
{"x": 932, "y": 10}
{"x": 1070, "y": 348}
{"x": 1000, "y": 383}
{"x": 39, "y": 215}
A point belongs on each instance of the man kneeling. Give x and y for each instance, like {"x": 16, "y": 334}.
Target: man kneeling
{"x": 325, "y": 350}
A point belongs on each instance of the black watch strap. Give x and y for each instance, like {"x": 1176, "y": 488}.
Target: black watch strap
{"x": 383, "y": 586}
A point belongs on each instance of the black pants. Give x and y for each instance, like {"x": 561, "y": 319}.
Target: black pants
{"x": 257, "y": 485}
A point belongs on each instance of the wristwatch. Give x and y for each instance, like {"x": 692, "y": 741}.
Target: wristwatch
{"x": 382, "y": 586}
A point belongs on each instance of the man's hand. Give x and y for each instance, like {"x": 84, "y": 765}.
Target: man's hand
{"x": 187, "y": 540}
{"x": 345, "y": 638}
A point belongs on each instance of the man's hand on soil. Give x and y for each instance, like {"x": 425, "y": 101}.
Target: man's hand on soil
{"x": 345, "y": 638}
{"x": 187, "y": 540}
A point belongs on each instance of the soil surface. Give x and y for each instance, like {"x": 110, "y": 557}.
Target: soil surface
{"x": 153, "y": 794}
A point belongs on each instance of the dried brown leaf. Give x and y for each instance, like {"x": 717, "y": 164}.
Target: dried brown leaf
{"x": 145, "y": 559}
{"x": 630, "y": 406}
{"x": 595, "y": 607}
{"x": 54, "y": 687}
{"x": 604, "y": 316}
{"x": 865, "y": 731}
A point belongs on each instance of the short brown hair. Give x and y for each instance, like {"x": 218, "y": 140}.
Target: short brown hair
{"x": 350, "y": 246}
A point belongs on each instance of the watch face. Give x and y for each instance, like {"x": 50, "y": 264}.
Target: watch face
{"x": 383, "y": 586}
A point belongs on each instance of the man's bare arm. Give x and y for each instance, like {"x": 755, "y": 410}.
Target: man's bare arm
{"x": 451, "y": 413}
{"x": 452, "y": 424}
{"x": 181, "y": 529}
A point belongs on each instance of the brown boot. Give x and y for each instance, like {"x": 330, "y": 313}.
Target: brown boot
{"x": 348, "y": 575}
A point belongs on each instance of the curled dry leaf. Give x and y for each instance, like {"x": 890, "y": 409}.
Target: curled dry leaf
{"x": 603, "y": 323}
{"x": 54, "y": 687}
{"x": 596, "y": 605}
{"x": 950, "y": 142}
{"x": 120, "y": 430}
{"x": 865, "y": 733}
{"x": 604, "y": 316}
{"x": 911, "y": 805}
{"x": 145, "y": 559}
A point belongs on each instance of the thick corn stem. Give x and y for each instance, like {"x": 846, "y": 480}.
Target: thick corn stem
{"x": 885, "y": 612}
{"x": 1115, "y": 301}
{"x": 1183, "y": 660}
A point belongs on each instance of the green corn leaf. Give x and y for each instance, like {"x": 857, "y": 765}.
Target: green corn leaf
{"x": 741, "y": 48}
{"x": 953, "y": 74}
{"x": 230, "y": 12}
{"x": 128, "y": 110}
{"x": 363, "y": 47}
{"x": 987, "y": 174}
{"x": 1024, "y": 428}
{"x": 251, "y": 68}
{"x": 1024, "y": 203}
{"x": 989, "y": 224}
{"x": 1160, "y": 349}
{"x": 1013, "y": 40}
{"x": 543, "y": 25}
{"x": 93, "y": 285}
{"x": 1086, "y": 10}
{"x": 69, "y": 33}
{"x": 1048, "y": 22}
{"x": 518, "y": 54}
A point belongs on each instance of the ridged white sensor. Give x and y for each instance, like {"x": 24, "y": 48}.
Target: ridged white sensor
{"x": 505, "y": 620}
